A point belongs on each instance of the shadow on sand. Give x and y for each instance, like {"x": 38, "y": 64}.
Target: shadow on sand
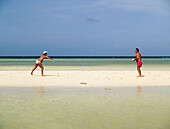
{"x": 49, "y": 75}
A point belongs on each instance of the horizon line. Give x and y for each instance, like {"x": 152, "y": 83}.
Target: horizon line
{"x": 85, "y": 56}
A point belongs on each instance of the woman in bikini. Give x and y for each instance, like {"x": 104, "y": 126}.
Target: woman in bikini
{"x": 39, "y": 62}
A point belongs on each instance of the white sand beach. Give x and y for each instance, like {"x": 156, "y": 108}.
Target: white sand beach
{"x": 85, "y": 78}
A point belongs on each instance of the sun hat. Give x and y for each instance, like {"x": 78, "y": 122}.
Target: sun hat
{"x": 45, "y": 52}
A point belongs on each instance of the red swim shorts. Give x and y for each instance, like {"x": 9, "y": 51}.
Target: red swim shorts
{"x": 139, "y": 64}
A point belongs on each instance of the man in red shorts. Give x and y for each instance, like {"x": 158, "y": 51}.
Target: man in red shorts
{"x": 139, "y": 61}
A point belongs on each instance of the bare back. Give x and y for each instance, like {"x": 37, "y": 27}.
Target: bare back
{"x": 42, "y": 58}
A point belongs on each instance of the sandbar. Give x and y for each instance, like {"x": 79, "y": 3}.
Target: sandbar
{"x": 85, "y": 78}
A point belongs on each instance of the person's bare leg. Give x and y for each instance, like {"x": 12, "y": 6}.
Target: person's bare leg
{"x": 139, "y": 71}
{"x": 34, "y": 69}
{"x": 42, "y": 69}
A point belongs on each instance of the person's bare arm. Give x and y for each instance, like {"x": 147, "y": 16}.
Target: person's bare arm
{"x": 49, "y": 58}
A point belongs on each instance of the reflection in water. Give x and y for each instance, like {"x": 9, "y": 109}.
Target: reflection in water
{"x": 84, "y": 108}
{"x": 139, "y": 90}
{"x": 41, "y": 90}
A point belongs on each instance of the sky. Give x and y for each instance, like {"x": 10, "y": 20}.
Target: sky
{"x": 84, "y": 27}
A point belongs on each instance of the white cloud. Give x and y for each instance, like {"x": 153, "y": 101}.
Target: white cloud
{"x": 154, "y": 6}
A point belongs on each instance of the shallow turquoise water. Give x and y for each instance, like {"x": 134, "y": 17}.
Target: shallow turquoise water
{"x": 67, "y": 62}
{"x": 103, "y": 63}
{"x": 84, "y": 108}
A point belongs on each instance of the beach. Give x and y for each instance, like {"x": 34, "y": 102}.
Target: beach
{"x": 84, "y": 94}
{"x": 89, "y": 78}
{"x": 85, "y": 72}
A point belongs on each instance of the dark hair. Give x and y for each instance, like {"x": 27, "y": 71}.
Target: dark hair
{"x": 137, "y": 49}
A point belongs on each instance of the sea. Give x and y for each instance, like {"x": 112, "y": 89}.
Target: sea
{"x": 85, "y": 63}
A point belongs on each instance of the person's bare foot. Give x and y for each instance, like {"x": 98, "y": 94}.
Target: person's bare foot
{"x": 31, "y": 73}
{"x": 139, "y": 76}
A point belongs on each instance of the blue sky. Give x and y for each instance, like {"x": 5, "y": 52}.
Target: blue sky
{"x": 84, "y": 27}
